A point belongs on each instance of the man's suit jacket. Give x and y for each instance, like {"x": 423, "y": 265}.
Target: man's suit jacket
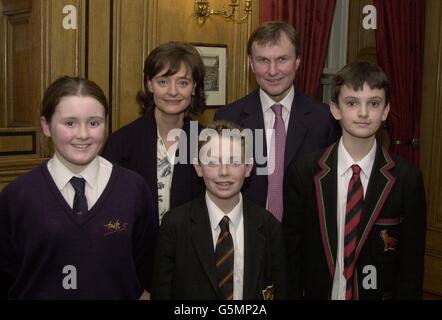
{"x": 185, "y": 260}
{"x": 134, "y": 146}
{"x": 391, "y": 234}
{"x": 311, "y": 127}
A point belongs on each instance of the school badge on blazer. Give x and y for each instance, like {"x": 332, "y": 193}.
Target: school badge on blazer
{"x": 115, "y": 226}
{"x": 267, "y": 293}
{"x": 389, "y": 242}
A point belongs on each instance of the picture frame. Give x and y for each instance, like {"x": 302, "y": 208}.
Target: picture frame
{"x": 214, "y": 57}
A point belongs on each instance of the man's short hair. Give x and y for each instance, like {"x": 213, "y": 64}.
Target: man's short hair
{"x": 270, "y": 33}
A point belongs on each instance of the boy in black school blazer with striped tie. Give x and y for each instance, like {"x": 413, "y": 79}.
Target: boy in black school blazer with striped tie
{"x": 220, "y": 245}
{"x": 335, "y": 250}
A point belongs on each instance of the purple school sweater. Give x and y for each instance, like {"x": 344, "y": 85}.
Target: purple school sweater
{"x": 55, "y": 254}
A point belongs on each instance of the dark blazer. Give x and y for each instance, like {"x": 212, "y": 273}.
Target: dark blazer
{"x": 311, "y": 128}
{"x": 185, "y": 260}
{"x": 134, "y": 146}
{"x": 391, "y": 235}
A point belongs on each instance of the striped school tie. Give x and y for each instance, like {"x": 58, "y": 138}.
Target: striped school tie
{"x": 353, "y": 213}
{"x": 224, "y": 260}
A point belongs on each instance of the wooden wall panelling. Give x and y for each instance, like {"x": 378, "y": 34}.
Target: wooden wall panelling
{"x": 64, "y": 49}
{"x": 3, "y": 87}
{"x": 99, "y": 47}
{"x": 128, "y": 57}
{"x": 18, "y": 60}
{"x": 18, "y": 63}
{"x": 177, "y": 22}
{"x": 119, "y": 36}
{"x": 241, "y": 85}
{"x": 431, "y": 145}
{"x": 150, "y": 35}
{"x": 146, "y": 24}
{"x": 65, "y": 46}
{"x": 97, "y": 50}
{"x": 35, "y": 50}
{"x": 20, "y": 83}
{"x": 361, "y": 42}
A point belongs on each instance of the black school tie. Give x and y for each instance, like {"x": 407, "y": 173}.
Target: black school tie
{"x": 224, "y": 260}
{"x": 80, "y": 201}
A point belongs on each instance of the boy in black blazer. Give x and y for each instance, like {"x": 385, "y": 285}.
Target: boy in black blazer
{"x": 220, "y": 245}
{"x": 354, "y": 214}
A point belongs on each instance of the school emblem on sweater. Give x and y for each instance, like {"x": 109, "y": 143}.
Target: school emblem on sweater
{"x": 267, "y": 294}
{"x": 113, "y": 227}
{"x": 389, "y": 242}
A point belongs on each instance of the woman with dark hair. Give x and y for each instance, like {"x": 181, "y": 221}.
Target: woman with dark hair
{"x": 173, "y": 89}
{"x": 77, "y": 226}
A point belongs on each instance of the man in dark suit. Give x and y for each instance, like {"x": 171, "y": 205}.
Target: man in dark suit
{"x": 274, "y": 51}
{"x": 354, "y": 214}
{"x": 220, "y": 246}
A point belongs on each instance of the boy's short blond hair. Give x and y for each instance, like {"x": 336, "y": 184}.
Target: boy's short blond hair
{"x": 221, "y": 127}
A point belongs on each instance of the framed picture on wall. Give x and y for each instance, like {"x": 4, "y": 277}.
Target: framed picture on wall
{"x": 215, "y": 83}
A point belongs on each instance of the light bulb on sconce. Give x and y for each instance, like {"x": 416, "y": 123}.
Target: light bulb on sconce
{"x": 203, "y": 11}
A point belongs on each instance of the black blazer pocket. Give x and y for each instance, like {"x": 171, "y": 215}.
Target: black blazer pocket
{"x": 386, "y": 239}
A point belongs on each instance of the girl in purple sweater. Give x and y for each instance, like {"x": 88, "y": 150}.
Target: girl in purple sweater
{"x": 77, "y": 226}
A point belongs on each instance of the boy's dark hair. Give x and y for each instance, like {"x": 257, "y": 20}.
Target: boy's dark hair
{"x": 171, "y": 55}
{"x": 356, "y": 74}
{"x": 270, "y": 33}
{"x": 70, "y": 86}
{"x": 235, "y": 131}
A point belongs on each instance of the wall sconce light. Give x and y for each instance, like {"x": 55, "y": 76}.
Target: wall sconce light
{"x": 202, "y": 11}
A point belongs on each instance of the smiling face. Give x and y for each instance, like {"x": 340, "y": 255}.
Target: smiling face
{"x": 172, "y": 94}
{"x": 360, "y": 113}
{"x": 223, "y": 170}
{"x": 77, "y": 129}
{"x": 274, "y": 66}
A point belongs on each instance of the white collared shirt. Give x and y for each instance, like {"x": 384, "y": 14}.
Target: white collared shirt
{"x": 345, "y": 173}
{"x": 97, "y": 175}
{"x": 165, "y": 166}
{"x": 236, "y": 228}
{"x": 269, "y": 117}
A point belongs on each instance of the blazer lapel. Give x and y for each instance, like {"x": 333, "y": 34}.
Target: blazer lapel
{"x": 148, "y": 153}
{"x": 325, "y": 182}
{"x": 187, "y": 150}
{"x": 252, "y": 116}
{"x": 296, "y": 129}
{"x": 254, "y": 243}
{"x": 379, "y": 186}
{"x": 202, "y": 239}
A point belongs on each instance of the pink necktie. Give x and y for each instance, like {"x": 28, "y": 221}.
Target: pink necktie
{"x": 274, "y": 192}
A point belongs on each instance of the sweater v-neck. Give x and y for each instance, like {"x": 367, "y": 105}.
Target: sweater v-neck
{"x": 79, "y": 220}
